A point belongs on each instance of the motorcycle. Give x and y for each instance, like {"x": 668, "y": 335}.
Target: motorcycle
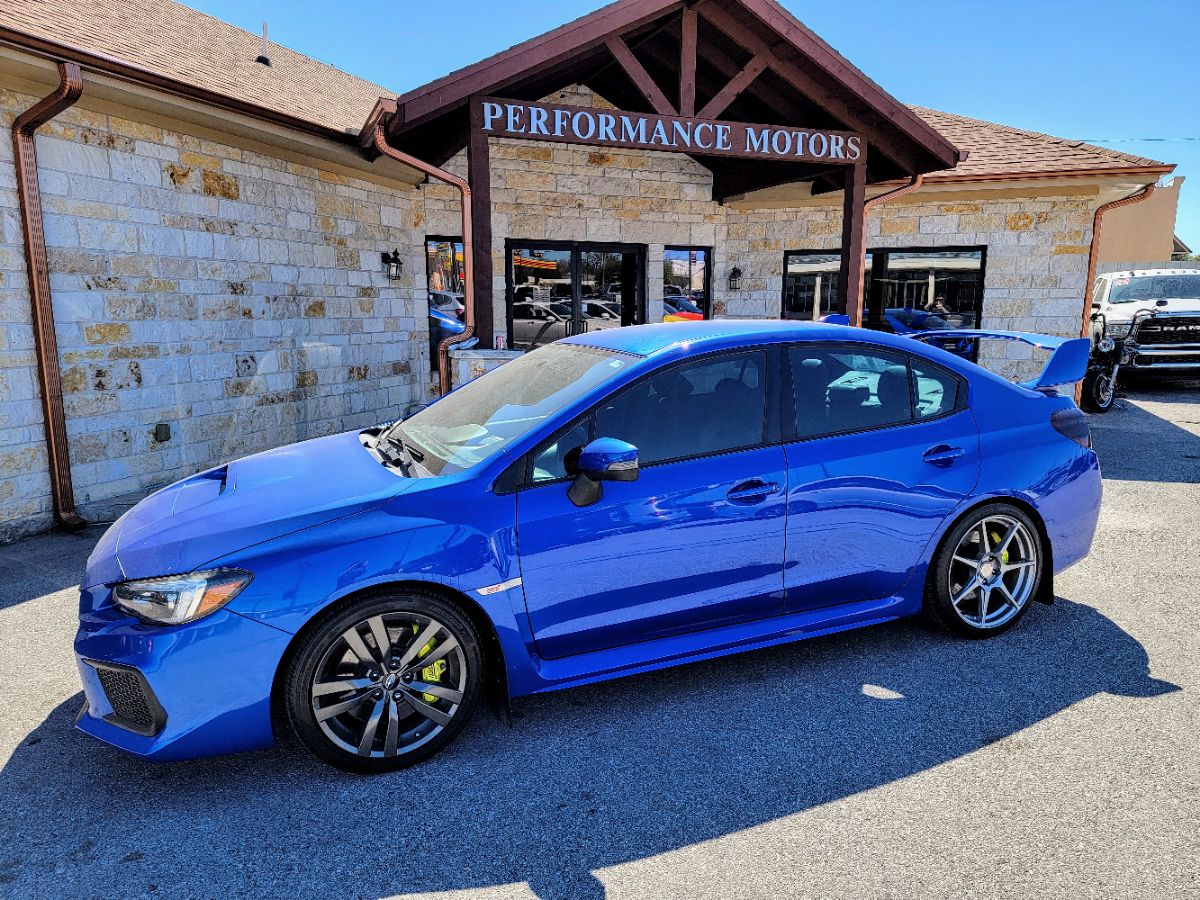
{"x": 1104, "y": 366}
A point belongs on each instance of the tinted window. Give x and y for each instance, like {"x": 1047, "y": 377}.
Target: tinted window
{"x": 706, "y": 407}
{"x": 848, "y": 390}
{"x": 937, "y": 390}
{"x": 485, "y": 415}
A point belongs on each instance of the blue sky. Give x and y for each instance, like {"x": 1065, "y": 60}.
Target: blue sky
{"x": 1090, "y": 69}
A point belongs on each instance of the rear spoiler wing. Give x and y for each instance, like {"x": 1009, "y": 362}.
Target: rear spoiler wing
{"x": 1068, "y": 360}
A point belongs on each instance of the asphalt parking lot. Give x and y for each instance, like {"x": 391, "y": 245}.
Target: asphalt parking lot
{"x": 1062, "y": 759}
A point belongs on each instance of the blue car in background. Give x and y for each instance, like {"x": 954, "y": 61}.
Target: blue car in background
{"x": 611, "y": 503}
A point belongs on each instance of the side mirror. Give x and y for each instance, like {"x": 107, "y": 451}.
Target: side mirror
{"x": 604, "y": 459}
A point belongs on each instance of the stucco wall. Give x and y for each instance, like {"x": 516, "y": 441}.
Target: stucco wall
{"x": 232, "y": 295}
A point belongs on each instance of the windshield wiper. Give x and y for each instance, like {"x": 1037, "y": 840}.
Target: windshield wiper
{"x": 384, "y": 450}
{"x": 406, "y": 447}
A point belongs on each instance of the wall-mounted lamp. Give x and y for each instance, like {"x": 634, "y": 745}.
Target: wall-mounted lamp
{"x": 735, "y": 279}
{"x": 393, "y": 265}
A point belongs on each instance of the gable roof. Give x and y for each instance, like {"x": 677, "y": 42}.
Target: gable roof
{"x": 638, "y": 54}
{"x": 187, "y": 46}
{"x": 200, "y": 56}
{"x": 1000, "y": 151}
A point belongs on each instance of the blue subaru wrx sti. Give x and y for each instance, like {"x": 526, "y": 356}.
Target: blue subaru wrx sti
{"x": 608, "y": 504}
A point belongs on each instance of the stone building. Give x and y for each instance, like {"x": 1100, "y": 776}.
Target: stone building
{"x": 215, "y": 236}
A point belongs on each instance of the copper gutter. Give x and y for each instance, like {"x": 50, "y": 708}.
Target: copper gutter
{"x": 123, "y": 71}
{"x": 464, "y": 191}
{"x": 1061, "y": 173}
{"x": 916, "y": 182}
{"x": 45, "y": 342}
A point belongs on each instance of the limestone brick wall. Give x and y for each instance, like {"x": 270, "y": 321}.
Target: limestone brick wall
{"x": 233, "y": 295}
{"x": 1036, "y": 267}
{"x": 238, "y": 297}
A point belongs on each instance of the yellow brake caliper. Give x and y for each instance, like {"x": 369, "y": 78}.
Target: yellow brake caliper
{"x": 431, "y": 674}
{"x": 996, "y": 539}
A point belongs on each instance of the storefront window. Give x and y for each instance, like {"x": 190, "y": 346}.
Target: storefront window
{"x": 905, "y": 289}
{"x": 444, "y": 276}
{"x": 686, "y": 283}
{"x": 565, "y": 288}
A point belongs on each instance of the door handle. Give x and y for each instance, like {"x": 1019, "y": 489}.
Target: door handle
{"x": 942, "y": 455}
{"x": 753, "y": 491}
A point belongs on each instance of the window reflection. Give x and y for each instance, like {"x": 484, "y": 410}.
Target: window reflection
{"x": 686, "y": 293}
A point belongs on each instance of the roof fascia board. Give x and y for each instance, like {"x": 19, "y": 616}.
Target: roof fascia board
{"x": 491, "y": 75}
{"x": 116, "y": 68}
{"x": 790, "y": 29}
{"x": 27, "y": 73}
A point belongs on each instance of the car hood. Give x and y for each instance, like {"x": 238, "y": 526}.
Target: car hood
{"x": 250, "y": 500}
{"x": 1124, "y": 312}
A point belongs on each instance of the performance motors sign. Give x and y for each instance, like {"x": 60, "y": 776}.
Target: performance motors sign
{"x": 679, "y": 134}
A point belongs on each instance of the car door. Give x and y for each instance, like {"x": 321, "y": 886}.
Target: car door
{"x": 884, "y": 450}
{"x": 695, "y": 542}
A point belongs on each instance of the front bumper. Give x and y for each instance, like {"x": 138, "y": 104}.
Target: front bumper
{"x": 1165, "y": 356}
{"x": 170, "y": 693}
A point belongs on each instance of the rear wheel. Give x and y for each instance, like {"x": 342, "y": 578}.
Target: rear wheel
{"x": 986, "y": 572}
{"x": 385, "y": 682}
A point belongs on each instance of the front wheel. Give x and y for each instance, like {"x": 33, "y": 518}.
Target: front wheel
{"x": 384, "y": 682}
{"x": 986, "y": 572}
{"x": 1099, "y": 389}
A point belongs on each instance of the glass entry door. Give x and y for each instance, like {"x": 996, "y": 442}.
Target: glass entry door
{"x": 558, "y": 289}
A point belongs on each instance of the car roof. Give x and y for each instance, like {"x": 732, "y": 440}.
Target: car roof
{"x": 1138, "y": 273}
{"x": 716, "y": 334}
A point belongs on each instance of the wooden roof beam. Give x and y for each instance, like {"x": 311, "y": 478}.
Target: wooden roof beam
{"x": 742, "y": 80}
{"x": 806, "y": 84}
{"x": 687, "y": 63}
{"x": 640, "y": 77}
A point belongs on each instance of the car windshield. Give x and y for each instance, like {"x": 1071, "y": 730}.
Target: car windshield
{"x": 1155, "y": 287}
{"x": 488, "y": 414}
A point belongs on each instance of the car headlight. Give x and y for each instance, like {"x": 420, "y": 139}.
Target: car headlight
{"x": 177, "y": 599}
{"x": 1120, "y": 330}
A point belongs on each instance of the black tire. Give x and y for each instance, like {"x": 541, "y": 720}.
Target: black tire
{"x": 393, "y": 694}
{"x": 1099, "y": 389}
{"x": 939, "y": 605}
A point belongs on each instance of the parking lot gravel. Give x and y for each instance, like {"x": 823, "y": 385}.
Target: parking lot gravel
{"x": 1060, "y": 760}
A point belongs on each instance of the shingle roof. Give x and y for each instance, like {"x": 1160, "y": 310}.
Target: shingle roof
{"x": 999, "y": 150}
{"x": 188, "y": 46}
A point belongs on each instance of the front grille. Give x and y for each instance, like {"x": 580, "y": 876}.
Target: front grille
{"x": 134, "y": 706}
{"x": 1165, "y": 330}
{"x": 1167, "y": 359}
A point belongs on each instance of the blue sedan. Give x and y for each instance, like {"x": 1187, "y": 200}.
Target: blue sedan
{"x": 612, "y": 503}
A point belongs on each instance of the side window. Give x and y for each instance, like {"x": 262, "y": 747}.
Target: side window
{"x": 936, "y": 390}
{"x": 848, "y": 389}
{"x": 709, "y": 406}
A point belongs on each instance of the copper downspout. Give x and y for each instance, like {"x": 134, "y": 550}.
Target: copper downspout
{"x": 867, "y": 207}
{"x": 1094, "y": 251}
{"x": 45, "y": 342}
{"x": 1085, "y": 328}
{"x": 464, "y": 191}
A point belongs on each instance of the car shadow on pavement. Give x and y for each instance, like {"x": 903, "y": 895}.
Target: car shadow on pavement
{"x": 35, "y": 568}
{"x": 1136, "y": 445}
{"x": 586, "y": 779}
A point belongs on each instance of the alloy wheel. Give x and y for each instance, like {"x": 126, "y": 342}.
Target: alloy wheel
{"x": 389, "y": 684}
{"x": 993, "y": 571}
